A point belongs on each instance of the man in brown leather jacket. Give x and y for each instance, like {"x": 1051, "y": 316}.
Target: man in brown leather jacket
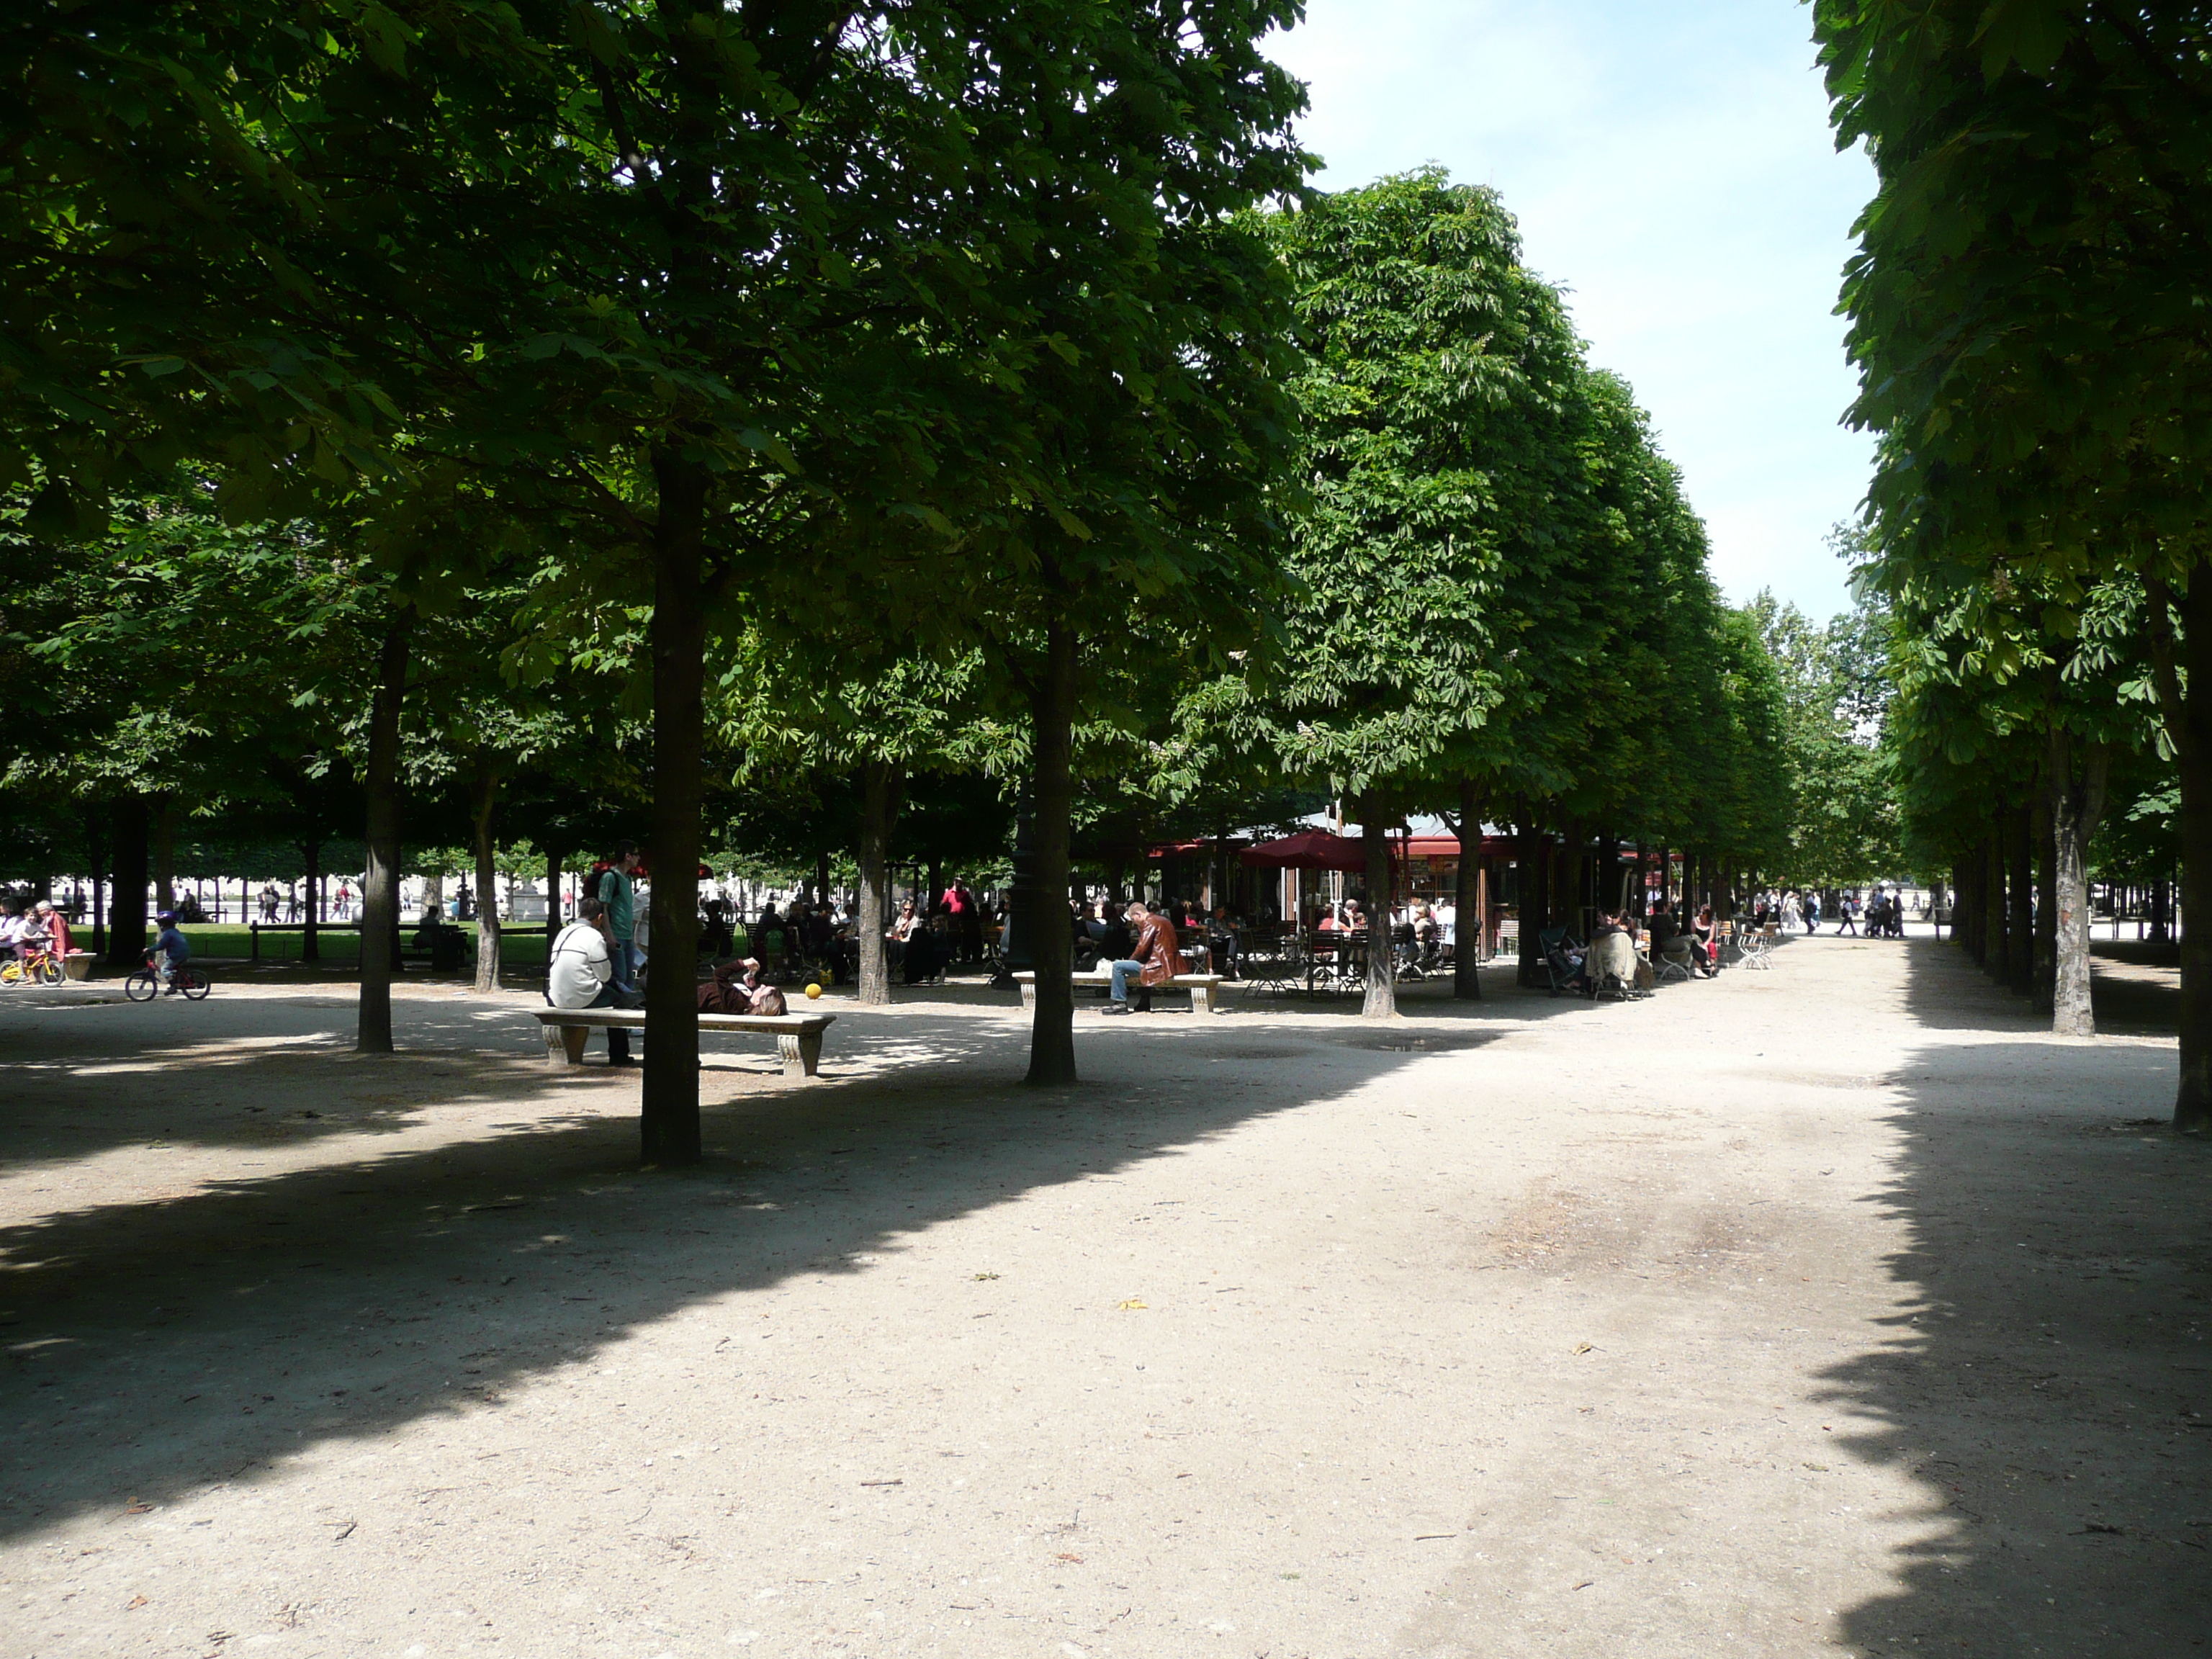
{"x": 1155, "y": 961}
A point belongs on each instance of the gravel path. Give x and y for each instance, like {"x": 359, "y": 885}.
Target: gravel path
{"x": 1833, "y": 1309}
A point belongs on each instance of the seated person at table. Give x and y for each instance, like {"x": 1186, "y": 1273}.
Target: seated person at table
{"x": 580, "y": 972}
{"x": 927, "y": 949}
{"x": 1708, "y": 945}
{"x": 1668, "y": 940}
{"x": 444, "y": 945}
{"x": 1612, "y": 955}
{"x": 1154, "y": 961}
{"x": 1221, "y": 935}
{"x": 1116, "y": 941}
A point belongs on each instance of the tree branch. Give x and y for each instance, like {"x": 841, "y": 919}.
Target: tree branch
{"x": 2164, "y": 674}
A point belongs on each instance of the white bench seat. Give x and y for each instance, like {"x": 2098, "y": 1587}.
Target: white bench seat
{"x": 798, "y": 1037}
{"x": 1205, "y": 988}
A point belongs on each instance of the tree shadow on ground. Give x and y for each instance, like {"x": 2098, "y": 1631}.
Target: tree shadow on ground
{"x": 211, "y": 1334}
{"x": 2049, "y": 1388}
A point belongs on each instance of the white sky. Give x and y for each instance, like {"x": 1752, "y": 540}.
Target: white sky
{"x": 1671, "y": 166}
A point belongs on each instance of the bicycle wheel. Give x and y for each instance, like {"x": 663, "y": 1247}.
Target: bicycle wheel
{"x": 49, "y": 972}
{"x": 141, "y": 986}
{"x": 194, "y": 984}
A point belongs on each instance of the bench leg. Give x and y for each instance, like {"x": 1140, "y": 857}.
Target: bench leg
{"x": 566, "y": 1043}
{"x": 1205, "y": 999}
{"x": 1029, "y": 994}
{"x": 801, "y": 1052}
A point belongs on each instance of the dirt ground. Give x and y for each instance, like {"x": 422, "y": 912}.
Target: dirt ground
{"x": 1832, "y": 1309}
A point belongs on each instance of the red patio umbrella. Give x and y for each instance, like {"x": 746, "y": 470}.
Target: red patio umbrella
{"x": 1310, "y": 849}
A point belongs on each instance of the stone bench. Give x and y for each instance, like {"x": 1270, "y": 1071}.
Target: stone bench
{"x": 1205, "y": 988}
{"x": 798, "y": 1037}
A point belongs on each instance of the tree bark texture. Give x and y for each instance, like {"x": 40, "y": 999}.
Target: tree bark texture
{"x": 1381, "y": 1001}
{"x": 1468, "y": 931}
{"x": 95, "y": 847}
{"x": 163, "y": 852}
{"x": 879, "y": 793}
{"x": 2077, "y": 772}
{"x": 311, "y": 913}
{"x": 1051, "y": 948}
{"x": 126, "y": 910}
{"x": 1977, "y": 885}
{"x": 380, "y": 885}
{"x": 482, "y": 809}
{"x": 668, "y": 1118}
{"x": 2188, "y": 709}
{"x": 2020, "y": 896}
{"x": 2047, "y": 905}
{"x": 1532, "y": 908}
{"x": 1998, "y": 963}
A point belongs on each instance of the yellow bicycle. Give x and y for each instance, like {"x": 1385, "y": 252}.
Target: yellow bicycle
{"x": 35, "y": 967}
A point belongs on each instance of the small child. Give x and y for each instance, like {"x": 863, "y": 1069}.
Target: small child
{"x": 172, "y": 951}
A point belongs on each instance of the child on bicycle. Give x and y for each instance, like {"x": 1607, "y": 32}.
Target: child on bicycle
{"x": 172, "y": 951}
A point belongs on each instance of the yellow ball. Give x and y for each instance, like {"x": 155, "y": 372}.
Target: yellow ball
{"x": 813, "y": 993}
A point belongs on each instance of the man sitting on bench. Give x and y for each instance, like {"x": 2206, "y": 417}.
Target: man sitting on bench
{"x": 580, "y": 972}
{"x": 1154, "y": 960}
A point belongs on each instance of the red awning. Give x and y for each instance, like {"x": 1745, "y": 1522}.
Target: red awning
{"x": 1175, "y": 849}
{"x": 1310, "y": 849}
{"x": 1447, "y": 846}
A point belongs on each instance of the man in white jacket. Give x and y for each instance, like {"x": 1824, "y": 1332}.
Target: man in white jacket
{"x": 579, "y": 974}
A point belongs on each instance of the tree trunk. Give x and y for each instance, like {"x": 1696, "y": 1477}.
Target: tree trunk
{"x": 480, "y": 824}
{"x": 2076, "y": 803}
{"x": 126, "y": 908}
{"x": 1998, "y": 963}
{"x": 1531, "y": 904}
{"x": 2041, "y": 991}
{"x": 1467, "y": 931}
{"x": 311, "y": 913}
{"x": 669, "y": 1113}
{"x": 1051, "y": 949}
{"x": 2188, "y": 710}
{"x": 879, "y": 793}
{"x": 164, "y": 852}
{"x": 2020, "y": 892}
{"x": 552, "y": 898}
{"x": 1978, "y": 884}
{"x": 380, "y": 885}
{"x": 95, "y": 847}
{"x": 1382, "y": 999}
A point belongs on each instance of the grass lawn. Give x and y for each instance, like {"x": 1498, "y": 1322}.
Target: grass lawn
{"x": 522, "y": 945}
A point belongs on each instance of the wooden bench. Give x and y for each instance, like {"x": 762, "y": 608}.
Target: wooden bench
{"x": 1205, "y": 988}
{"x": 798, "y": 1037}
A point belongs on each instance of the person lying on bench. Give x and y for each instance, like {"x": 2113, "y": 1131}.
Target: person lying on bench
{"x": 1154, "y": 960}
{"x": 737, "y": 988}
{"x": 580, "y": 972}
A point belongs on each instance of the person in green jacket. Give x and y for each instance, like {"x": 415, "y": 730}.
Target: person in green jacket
{"x": 617, "y": 899}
